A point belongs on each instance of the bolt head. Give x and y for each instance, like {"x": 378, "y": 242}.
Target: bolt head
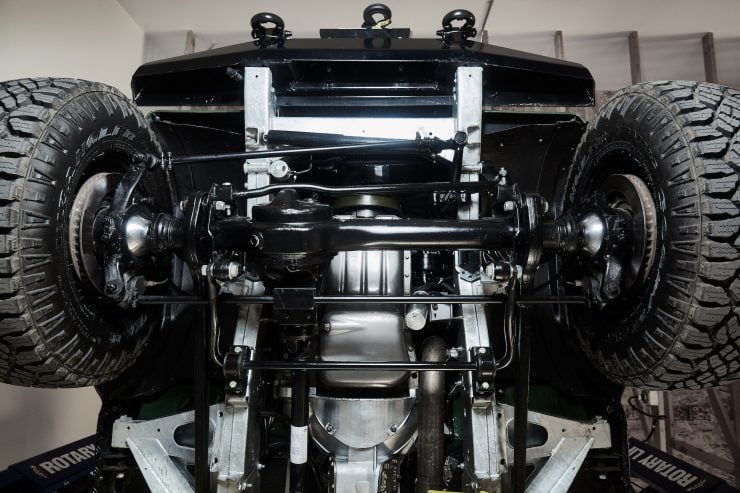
{"x": 485, "y": 385}
{"x": 509, "y": 205}
{"x": 482, "y": 350}
{"x": 232, "y": 384}
{"x": 460, "y": 138}
{"x": 234, "y": 269}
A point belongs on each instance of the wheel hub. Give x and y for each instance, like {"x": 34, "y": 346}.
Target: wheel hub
{"x": 631, "y": 194}
{"x": 92, "y": 197}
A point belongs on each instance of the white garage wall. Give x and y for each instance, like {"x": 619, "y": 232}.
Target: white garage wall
{"x": 595, "y": 31}
{"x": 90, "y": 39}
{"x": 33, "y": 421}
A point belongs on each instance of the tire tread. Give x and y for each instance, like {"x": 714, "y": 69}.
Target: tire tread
{"x": 34, "y": 349}
{"x": 696, "y": 343}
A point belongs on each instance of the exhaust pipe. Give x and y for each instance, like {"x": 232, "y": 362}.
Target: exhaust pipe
{"x": 430, "y": 452}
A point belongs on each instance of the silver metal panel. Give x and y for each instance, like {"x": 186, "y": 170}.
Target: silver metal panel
{"x": 482, "y": 445}
{"x": 363, "y": 335}
{"x": 356, "y": 477}
{"x": 561, "y": 468}
{"x": 363, "y": 423}
{"x": 259, "y": 110}
{"x": 238, "y": 452}
{"x": 468, "y": 119}
{"x": 441, "y": 311}
{"x": 407, "y": 272}
{"x": 163, "y": 431}
{"x": 369, "y": 272}
{"x": 379, "y": 430}
{"x": 482, "y": 438}
{"x": 160, "y": 472}
{"x": 558, "y": 429}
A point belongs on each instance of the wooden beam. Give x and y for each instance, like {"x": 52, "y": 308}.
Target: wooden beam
{"x": 189, "y": 48}
{"x": 635, "y": 64}
{"x": 710, "y": 57}
{"x": 559, "y": 50}
{"x": 702, "y": 455}
{"x": 189, "y": 42}
{"x": 735, "y": 394}
{"x": 656, "y": 399}
{"x": 724, "y": 424}
{"x": 668, "y": 420}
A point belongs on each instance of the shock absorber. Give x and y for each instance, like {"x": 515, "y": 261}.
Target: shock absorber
{"x": 299, "y": 432}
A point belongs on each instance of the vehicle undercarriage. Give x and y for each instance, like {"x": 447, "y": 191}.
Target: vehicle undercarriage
{"x": 363, "y": 272}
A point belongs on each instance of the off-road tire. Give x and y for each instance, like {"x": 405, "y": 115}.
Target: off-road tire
{"x": 679, "y": 330}
{"x": 54, "y": 133}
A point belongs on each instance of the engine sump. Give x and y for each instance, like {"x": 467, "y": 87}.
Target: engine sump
{"x": 369, "y": 333}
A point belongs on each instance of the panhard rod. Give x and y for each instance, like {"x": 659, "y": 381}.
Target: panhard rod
{"x": 451, "y": 365}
